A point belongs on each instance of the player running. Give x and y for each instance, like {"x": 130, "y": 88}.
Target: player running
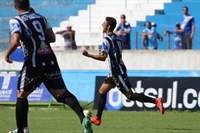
{"x": 112, "y": 48}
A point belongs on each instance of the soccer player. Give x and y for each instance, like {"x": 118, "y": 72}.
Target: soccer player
{"x": 112, "y": 48}
{"x": 178, "y": 36}
{"x": 40, "y": 64}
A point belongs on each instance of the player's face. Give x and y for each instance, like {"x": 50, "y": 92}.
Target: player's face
{"x": 148, "y": 25}
{"x": 177, "y": 27}
{"x": 123, "y": 21}
{"x": 104, "y": 26}
{"x": 69, "y": 28}
{"x": 185, "y": 11}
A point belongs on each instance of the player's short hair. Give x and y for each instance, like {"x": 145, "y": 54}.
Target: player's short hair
{"x": 148, "y": 23}
{"x": 178, "y": 24}
{"x": 31, "y": 10}
{"x": 22, "y": 4}
{"x": 123, "y": 16}
{"x": 186, "y": 7}
{"x": 112, "y": 22}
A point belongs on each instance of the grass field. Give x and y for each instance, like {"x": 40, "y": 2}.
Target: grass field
{"x": 58, "y": 120}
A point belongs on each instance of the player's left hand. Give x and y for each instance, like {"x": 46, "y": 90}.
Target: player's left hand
{"x": 85, "y": 52}
{"x": 7, "y": 59}
{"x": 191, "y": 35}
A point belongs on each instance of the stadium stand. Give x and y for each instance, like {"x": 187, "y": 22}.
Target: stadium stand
{"x": 88, "y": 22}
{"x": 172, "y": 13}
{"x": 86, "y": 16}
{"x": 54, "y": 10}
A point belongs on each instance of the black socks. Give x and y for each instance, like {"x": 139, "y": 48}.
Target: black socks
{"x": 101, "y": 105}
{"x": 21, "y": 114}
{"x": 69, "y": 99}
{"x": 142, "y": 98}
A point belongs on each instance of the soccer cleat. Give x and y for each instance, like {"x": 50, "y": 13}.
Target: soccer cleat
{"x": 87, "y": 126}
{"x": 87, "y": 114}
{"x": 159, "y": 104}
{"x": 95, "y": 120}
{"x": 26, "y": 130}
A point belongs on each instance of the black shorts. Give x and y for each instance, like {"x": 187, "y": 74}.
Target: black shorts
{"x": 32, "y": 77}
{"x": 122, "y": 82}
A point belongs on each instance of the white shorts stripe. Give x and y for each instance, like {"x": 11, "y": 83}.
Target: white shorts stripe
{"x": 123, "y": 83}
{"x": 22, "y": 80}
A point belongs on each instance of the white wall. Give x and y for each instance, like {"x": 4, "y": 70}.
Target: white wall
{"x": 134, "y": 60}
{"x": 89, "y": 21}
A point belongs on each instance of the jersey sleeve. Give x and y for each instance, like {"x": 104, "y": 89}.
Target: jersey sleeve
{"x": 129, "y": 26}
{"x": 118, "y": 27}
{"x": 145, "y": 31}
{"x": 152, "y": 30}
{"x": 105, "y": 46}
{"x": 193, "y": 21}
{"x": 15, "y": 26}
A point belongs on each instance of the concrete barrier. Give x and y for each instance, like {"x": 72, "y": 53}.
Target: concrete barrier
{"x": 134, "y": 60}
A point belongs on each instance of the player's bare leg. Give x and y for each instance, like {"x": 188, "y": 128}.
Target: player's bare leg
{"x": 101, "y": 104}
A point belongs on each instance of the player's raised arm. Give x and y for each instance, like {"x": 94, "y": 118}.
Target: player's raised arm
{"x": 101, "y": 56}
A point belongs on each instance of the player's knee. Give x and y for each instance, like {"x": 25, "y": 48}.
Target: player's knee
{"x": 102, "y": 91}
{"x": 21, "y": 94}
{"x": 59, "y": 98}
{"x": 128, "y": 95}
{"x": 62, "y": 98}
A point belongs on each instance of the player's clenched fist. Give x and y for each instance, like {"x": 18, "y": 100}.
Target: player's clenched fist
{"x": 85, "y": 52}
{"x": 7, "y": 59}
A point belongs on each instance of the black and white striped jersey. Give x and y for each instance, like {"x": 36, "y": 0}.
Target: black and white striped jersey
{"x": 112, "y": 45}
{"x": 34, "y": 40}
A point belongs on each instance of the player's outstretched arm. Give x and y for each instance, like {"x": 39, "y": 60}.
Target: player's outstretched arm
{"x": 101, "y": 56}
{"x": 15, "y": 42}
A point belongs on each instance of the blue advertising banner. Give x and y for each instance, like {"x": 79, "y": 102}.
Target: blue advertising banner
{"x": 178, "y": 93}
{"x": 80, "y": 82}
{"x": 8, "y": 88}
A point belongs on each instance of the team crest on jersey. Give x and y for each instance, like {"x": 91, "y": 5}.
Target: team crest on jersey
{"x": 44, "y": 49}
{"x": 25, "y": 17}
{"x": 28, "y": 33}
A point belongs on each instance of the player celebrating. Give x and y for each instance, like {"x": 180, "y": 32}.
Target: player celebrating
{"x": 112, "y": 47}
{"x": 40, "y": 64}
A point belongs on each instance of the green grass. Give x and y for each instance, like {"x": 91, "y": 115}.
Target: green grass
{"x": 58, "y": 120}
